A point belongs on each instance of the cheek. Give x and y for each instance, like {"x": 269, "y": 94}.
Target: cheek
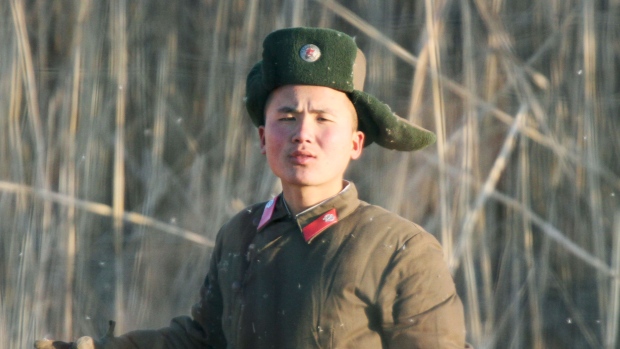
{"x": 338, "y": 139}
{"x": 273, "y": 142}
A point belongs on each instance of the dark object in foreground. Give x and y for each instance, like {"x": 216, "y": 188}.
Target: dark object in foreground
{"x": 85, "y": 342}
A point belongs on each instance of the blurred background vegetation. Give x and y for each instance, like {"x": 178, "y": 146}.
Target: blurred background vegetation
{"x": 124, "y": 145}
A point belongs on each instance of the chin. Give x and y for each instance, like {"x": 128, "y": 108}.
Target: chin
{"x": 300, "y": 182}
{"x": 307, "y": 182}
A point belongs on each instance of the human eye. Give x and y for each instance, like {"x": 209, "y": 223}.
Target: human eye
{"x": 324, "y": 118}
{"x": 286, "y": 114}
{"x": 287, "y": 117}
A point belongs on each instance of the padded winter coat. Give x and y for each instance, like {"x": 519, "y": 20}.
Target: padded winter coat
{"x": 342, "y": 274}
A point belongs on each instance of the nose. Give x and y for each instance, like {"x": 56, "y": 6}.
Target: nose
{"x": 304, "y": 131}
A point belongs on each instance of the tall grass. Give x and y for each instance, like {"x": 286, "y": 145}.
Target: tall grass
{"x": 125, "y": 145}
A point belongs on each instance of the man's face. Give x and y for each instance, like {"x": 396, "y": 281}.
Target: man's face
{"x": 309, "y": 136}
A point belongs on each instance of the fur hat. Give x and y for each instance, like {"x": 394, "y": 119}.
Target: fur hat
{"x": 326, "y": 57}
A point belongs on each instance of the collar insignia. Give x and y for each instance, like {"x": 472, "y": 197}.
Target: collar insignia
{"x": 267, "y": 212}
{"x": 317, "y": 226}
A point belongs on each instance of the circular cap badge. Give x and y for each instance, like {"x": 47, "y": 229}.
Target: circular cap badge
{"x": 310, "y": 53}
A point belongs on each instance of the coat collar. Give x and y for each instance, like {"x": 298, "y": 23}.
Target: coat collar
{"x": 316, "y": 219}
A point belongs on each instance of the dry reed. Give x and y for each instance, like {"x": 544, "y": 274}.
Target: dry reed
{"x": 125, "y": 146}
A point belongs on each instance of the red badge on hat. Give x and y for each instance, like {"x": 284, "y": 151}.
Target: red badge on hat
{"x": 310, "y": 53}
{"x": 317, "y": 226}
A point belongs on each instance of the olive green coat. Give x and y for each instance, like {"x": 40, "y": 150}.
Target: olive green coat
{"x": 371, "y": 280}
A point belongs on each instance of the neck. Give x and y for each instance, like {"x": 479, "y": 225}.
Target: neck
{"x": 299, "y": 199}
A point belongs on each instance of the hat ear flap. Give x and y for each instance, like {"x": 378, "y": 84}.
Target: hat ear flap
{"x": 382, "y": 126}
{"x": 365, "y": 123}
{"x": 256, "y": 95}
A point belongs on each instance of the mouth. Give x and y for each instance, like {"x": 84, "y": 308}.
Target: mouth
{"x": 301, "y": 157}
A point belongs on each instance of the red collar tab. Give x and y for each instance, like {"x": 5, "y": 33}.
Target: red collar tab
{"x": 317, "y": 226}
{"x": 270, "y": 206}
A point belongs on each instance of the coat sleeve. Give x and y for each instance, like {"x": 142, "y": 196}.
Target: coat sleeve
{"x": 205, "y": 326}
{"x": 183, "y": 332}
{"x": 202, "y": 330}
{"x": 418, "y": 300}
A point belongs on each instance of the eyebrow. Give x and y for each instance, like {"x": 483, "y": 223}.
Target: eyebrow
{"x": 294, "y": 110}
{"x": 287, "y": 109}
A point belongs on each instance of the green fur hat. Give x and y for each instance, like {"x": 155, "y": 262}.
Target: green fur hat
{"x": 326, "y": 57}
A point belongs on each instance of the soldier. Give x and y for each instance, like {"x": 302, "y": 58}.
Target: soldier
{"x": 315, "y": 267}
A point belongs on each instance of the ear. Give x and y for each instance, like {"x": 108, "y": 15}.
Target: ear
{"x": 261, "y": 135}
{"x": 358, "y": 144}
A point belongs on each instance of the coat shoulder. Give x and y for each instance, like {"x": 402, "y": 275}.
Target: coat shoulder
{"x": 240, "y": 225}
{"x": 374, "y": 218}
